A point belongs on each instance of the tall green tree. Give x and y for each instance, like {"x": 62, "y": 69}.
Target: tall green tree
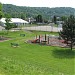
{"x": 39, "y": 19}
{"x": 8, "y": 22}
{"x": 54, "y": 19}
{"x": 68, "y": 30}
{"x": 0, "y": 6}
{"x": 63, "y": 18}
{"x": 1, "y": 14}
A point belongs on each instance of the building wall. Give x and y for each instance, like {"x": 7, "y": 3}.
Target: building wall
{"x": 2, "y": 28}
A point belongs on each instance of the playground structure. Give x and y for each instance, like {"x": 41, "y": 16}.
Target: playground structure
{"x": 51, "y": 40}
{"x": 40, "y": 39}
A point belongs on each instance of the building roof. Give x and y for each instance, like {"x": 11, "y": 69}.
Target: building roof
{"x": 3, "y": 20}
{"x": 18, "y": 20}
{"x": 15, "y": 20}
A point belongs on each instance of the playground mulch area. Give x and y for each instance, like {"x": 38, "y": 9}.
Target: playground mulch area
{"x": 52, "y": 41}
{"x": 56, "y": 42}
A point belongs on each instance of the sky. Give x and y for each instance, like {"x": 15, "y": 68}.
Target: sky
{"x": 41, "y": 3}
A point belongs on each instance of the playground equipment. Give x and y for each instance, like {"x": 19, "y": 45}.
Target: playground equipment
{"x": 40, "y": 39}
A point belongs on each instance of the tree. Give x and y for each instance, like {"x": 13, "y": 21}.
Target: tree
{"x": 23, "y": 16}
{"x": 68, "y": 30}
{"x": 63, "y": 18}
{"x": 1, "y": 14}
{"x": 39, "y": 19}
{"x": 8, "y": 22}
{"x": 54, "y": 19}
{"x": 0, "y": 6}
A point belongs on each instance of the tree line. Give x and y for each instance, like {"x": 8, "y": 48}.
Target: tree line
{"x": 26, "y": 12}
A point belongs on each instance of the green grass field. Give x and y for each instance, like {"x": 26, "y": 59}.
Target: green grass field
{"x": 34, "y": 59}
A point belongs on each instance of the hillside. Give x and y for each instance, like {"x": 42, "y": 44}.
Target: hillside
{"x": 20, "y": 11}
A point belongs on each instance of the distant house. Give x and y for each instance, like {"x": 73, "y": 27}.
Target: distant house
{"x": 31, "y": 20}
{"x": 16, "y": 21}
{"x": 59, "y": 22}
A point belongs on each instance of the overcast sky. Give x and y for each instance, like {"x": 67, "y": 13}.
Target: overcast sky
{"x": 41, "y": 3}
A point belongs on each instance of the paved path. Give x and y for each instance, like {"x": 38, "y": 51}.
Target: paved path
{"x": 43, "y": 28}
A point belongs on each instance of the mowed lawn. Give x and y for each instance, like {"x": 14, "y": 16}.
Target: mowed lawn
{"x": 34, "y": 59}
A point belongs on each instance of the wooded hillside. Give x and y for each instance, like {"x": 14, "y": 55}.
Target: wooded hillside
{"x": 23, "y": 11}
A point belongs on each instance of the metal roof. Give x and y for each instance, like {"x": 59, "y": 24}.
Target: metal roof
{"x": 14, "y": 20}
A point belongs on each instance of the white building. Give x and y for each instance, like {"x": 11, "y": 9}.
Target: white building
{"x": 19, "y": 21}
{"x": 16, "y": 21}
{"x": 2, "y": 28}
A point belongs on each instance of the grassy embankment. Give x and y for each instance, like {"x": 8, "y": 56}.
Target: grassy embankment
{"x": 33, "y": 59}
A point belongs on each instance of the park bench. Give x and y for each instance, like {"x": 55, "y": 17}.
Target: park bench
{"x": 14, "y": 44}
